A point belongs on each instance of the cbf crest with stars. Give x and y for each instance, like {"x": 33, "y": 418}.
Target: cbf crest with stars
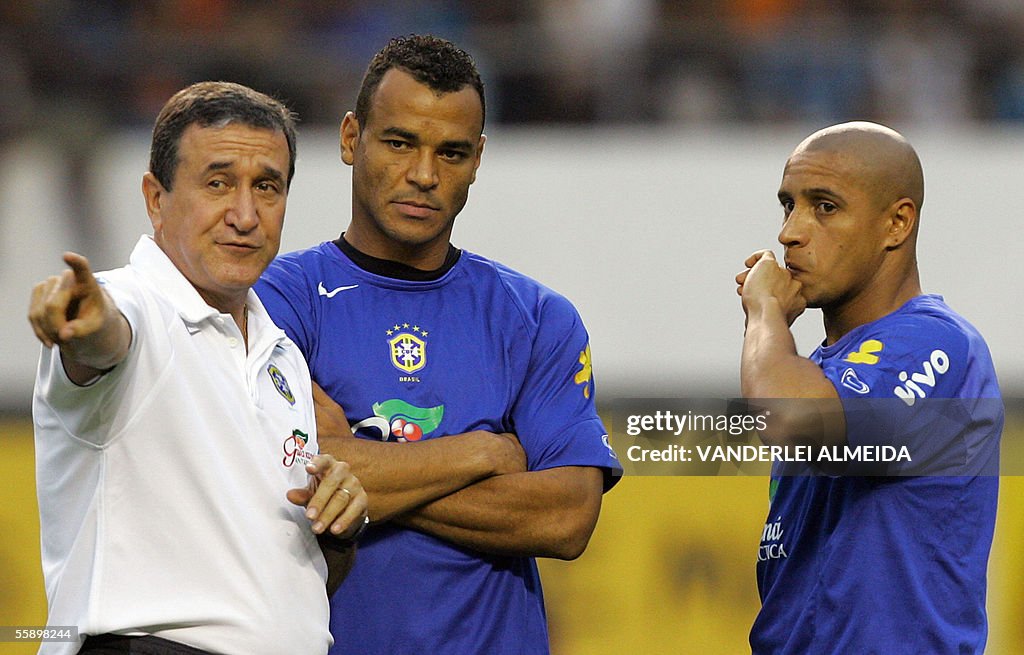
{"x": 407, "y": 345}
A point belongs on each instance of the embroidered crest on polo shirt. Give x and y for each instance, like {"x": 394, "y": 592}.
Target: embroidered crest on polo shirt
{"x": 281, "y": 383}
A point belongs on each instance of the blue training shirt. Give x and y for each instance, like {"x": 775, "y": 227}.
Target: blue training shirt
{"x": 897, "y": 563}
{"x": 480, "y": 348}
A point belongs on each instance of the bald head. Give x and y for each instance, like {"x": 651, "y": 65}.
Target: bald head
{"x": 850, "y": 194}
{"x": 879, "y": 158}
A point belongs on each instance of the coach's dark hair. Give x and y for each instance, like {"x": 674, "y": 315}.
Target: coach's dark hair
{"x": 214, "y": 104}
{"x": 440, "y": 64}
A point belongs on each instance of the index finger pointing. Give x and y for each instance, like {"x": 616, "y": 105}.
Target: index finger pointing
{"x": 80, "y": 267}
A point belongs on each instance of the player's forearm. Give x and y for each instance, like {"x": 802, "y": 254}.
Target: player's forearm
{"x": 549, "y": 513}
{"x": 804, "y": 406}
{"x": 770, "y": 366}
{"x": 398, "y": 477}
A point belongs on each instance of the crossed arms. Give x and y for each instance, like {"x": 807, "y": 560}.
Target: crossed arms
{"x": 471, "y": 489}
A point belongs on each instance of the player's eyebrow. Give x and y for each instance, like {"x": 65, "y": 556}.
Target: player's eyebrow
{"x": 412, "y": 137}
{"x": 818, "y": 192}
{"x": 401, "y": 133}
{"x": 458, "y": 144}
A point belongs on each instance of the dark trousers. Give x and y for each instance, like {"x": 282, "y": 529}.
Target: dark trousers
{"x": 120, "y": 644}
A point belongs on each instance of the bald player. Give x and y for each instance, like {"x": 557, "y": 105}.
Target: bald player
{"x": 894, "y": 561}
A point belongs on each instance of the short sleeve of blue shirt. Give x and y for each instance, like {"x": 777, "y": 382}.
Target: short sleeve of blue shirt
{"x": 285, "y": 291}
{"x": 555, "y": 409}
{"x": 910, "y": 380}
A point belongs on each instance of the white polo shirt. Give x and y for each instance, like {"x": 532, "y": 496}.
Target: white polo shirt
{"x": 162, "y": 484}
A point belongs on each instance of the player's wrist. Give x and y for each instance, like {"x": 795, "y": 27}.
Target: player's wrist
{"x": 481, "y": 455}
{"x": 763, "y": 308}
{"x": 350, "y": 537}
{"x": 506, "y": 455}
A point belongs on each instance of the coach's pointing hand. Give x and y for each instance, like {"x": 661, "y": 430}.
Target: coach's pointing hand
{"x": 73, "y": 312}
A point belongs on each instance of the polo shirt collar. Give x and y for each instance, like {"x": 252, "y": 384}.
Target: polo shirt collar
{"x": 154, "y": 264}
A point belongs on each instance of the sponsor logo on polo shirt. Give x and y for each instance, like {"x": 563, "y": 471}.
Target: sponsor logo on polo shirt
{"x": 295, "y": 449}
{"x": 917, "y": 385}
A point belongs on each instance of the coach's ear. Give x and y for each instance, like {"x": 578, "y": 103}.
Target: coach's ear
{"x": 902, "y": 223}
{"x": 349, "y": 134}
{"x": 153, "y": 192}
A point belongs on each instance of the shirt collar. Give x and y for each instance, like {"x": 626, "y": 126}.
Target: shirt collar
{"x": 154, "y": 264}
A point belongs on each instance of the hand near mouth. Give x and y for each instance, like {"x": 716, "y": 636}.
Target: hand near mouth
{"x": 765, "y": 281}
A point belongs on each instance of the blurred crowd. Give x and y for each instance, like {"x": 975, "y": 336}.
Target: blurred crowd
{"x": 73, "y": 69}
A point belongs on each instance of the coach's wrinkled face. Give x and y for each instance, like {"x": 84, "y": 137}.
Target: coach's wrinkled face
{"x": 834, "y": 227}
{"x": 413, "y": 162}
{"x": 221, "y": 221}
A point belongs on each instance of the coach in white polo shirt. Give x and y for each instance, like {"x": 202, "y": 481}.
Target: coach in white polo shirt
{"x": 181, "y": 495}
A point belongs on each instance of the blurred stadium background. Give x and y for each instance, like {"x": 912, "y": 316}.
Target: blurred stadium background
{"x": 635, "y": 147}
